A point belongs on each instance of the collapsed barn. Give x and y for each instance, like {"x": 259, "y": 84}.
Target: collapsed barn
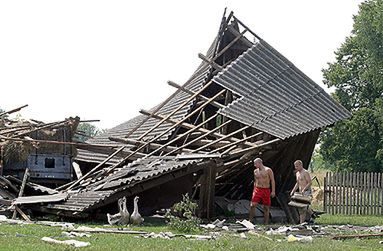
{"x": 39, "y": 147}
{"x": 244, "y": 100}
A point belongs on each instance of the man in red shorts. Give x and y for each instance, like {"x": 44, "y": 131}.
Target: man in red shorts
{"x": 263, "y": 176}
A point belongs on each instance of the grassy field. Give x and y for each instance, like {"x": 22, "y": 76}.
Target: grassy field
{"x": 28, "y": 237}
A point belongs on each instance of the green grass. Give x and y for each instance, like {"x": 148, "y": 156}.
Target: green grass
{"x": 27, "y": 237}
{"x": 357, "y": 220}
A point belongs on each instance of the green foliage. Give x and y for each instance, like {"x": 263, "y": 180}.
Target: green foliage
{"x": 182, "y": 216}
{"x": 319, "y": 163}
{"x": 357, "y": 75}
{"x": 87, "y": 131}
{"x": 4, "y": 116}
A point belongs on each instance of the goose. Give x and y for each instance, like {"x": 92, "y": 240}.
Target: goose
{"x": 136, "y": 218}
{"x": 113, "y": 219}
{"x": 125, "y": 216}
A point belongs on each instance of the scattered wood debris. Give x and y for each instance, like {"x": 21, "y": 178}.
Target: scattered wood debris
{"x": 73, "y": 243}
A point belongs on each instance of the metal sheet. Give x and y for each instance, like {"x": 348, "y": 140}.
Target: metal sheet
{"x": 40, "y": 198}
{"x": 275, "y": 96}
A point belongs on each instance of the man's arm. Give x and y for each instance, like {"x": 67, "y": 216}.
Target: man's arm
{"x": 294, "y": 189}
{"x": 254, "y": 178}
{"x": 272, "y": 180}
{"x": 308, "y": 181}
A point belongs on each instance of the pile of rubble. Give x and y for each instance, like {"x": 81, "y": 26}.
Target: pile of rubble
{"x": 33, "y": 152}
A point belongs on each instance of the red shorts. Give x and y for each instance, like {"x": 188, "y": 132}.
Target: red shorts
{"x": 262, "y": 196}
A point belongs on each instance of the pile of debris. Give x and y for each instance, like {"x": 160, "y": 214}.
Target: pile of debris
{"x": 245, "y": 100}
{"x": 34, "y": 153}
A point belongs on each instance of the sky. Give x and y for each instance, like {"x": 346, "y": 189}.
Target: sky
{"x": 107, "y": 60}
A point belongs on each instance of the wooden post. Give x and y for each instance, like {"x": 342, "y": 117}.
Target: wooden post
{"x": 347, "y": 193}
{"x": 207, "y": 192}
{"x": 332, "y": 194}
{"x": 1, "y": 160}
{"x": 26, "y": 174}
{"x": 380, "y": 194}
{"x": 325, "y": 193}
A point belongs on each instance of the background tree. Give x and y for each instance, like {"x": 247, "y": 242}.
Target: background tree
{"x": 87, "y": 131}
{"x": 357, "y": 75}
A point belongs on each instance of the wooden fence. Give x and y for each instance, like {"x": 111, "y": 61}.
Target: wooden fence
{"x": 353, "y": 193}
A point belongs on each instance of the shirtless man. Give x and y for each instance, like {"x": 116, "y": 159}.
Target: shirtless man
{"x": 263, "y": 176}
{"x": 304, "y": 184}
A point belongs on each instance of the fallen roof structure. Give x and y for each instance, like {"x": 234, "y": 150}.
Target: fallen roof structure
{"x": 245, "y": 100}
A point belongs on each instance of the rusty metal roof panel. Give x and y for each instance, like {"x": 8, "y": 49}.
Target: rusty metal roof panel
{"x": 275, "y": 96}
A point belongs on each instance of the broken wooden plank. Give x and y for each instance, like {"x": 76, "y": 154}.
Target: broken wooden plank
{"x": 77, "y": 170}
{"x": 5, "y": 202}
{"x": 25, "y": 217}
{"x": 106, "y": 230}
{"x": 26, "y": 174}
{"x": 8, "y": 183}
{"x": 96, "y": 167}
{"x": 197, "y": 156}
{"x": 32, "y": 185}
{"x": 13, "y": 110}
{"x": 356, "y": 236}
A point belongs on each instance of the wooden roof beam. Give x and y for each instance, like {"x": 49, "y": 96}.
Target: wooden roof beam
{"x": 13, "y": 110}
{"x": 214, "y": 103}
{"x": 238, "y": 142}
{"x": 222, "y": 138}
{"x": 151, "y": 145}
{"x": 189, "y": 126}
{"x": 176, "y": 110}
{"x": 202, "y": 136}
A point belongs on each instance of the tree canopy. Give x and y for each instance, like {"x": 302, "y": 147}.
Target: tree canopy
{"x": 87, "y": 131}
{"x": 357, "y": 75}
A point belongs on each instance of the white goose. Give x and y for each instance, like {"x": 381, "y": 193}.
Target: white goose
{"x": 122, "y": 217}
{"x": 125, "y": 216}
{"x": 136, "y": 218}
{"x": 113, "y": 219}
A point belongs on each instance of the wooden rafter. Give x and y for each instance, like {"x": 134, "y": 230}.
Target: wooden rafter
{"x": 185, "y": 118}
{"x": 219, "y": 139}
{"x": 175, "y": 110}
{"x": 238, "y": 142}
{"x": 200, "y": 137}
{"x": 214, "y": 103}
{"x": 203, "y": 130}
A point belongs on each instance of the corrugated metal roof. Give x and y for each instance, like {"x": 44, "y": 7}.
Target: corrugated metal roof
{"x": 276, "y": 97}
{"x": 81, "y": 201}
{"x": 130, "y": 175}
{"x": 94, "y": 157}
